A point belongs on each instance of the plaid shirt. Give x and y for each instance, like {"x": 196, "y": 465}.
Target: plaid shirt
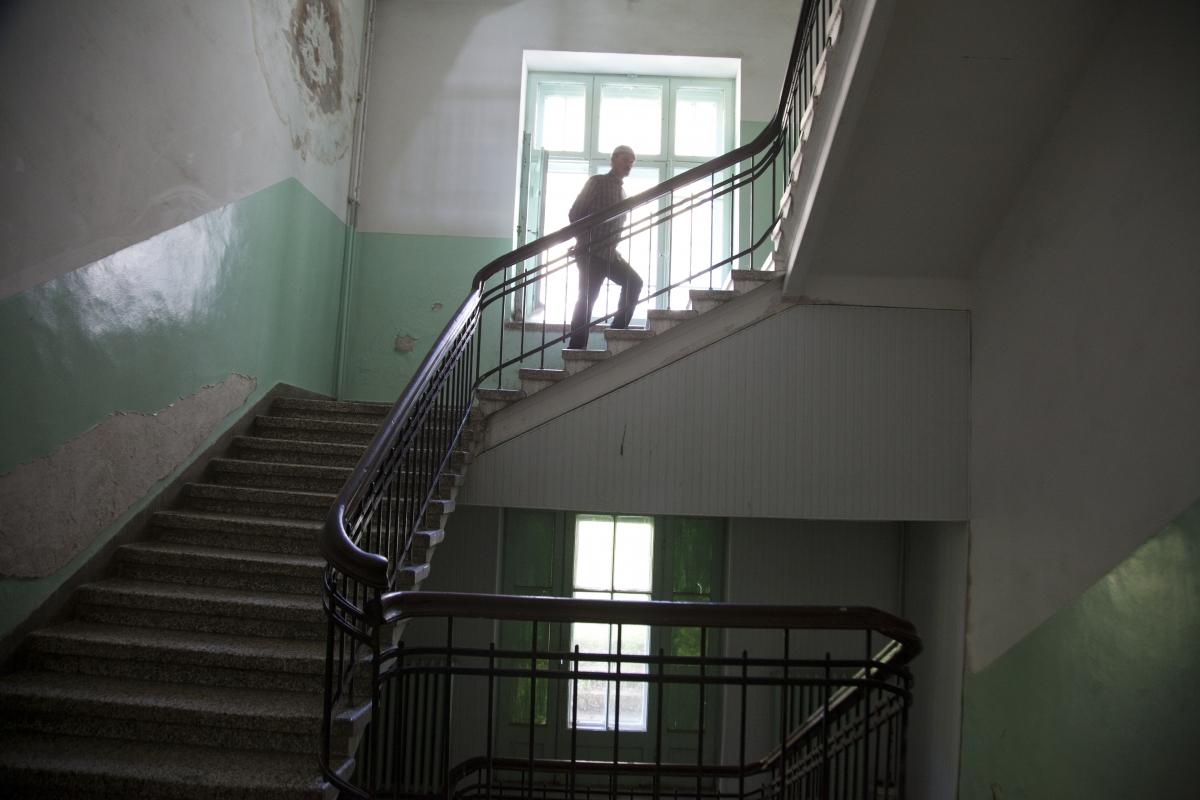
{"x": 600, "y": 192}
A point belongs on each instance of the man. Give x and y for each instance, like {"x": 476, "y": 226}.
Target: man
{"x": 596, "y": 250}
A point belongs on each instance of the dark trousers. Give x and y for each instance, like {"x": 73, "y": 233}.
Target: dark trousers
{"x": 593, "y": 269}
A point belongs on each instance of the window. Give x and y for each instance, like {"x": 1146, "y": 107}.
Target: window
{"x": 607, "y": 556}
{"x": 573, "y": 122}
{"x": 614, "y": 560}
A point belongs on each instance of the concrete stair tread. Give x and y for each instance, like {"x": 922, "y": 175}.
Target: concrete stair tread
{"x": 671, "y": 313}
{"x": 211, "y": 520}
{"x": 754, "y": 274}
{"x": 46, "y": 765}
{"x": 128, "y": 698}
{"x": 584, "y": 355}
{"x": 122, "y": 642}
{"x": 185, "y": 598}
{"x": 126, "y": 642}
{"x": 253, "y": 494}
{"x": 635, "y": 334}
{"x": 220, "y": 558}
{"x": 314, "y": 423}
{"x": 300, "y": 445}
{"x": 531, "y": 374}
{"x": 499, "y": 394}
{"x": 300, "y": 404}
{"x": 245, "y": 465}
{"x": 712, "y": 294}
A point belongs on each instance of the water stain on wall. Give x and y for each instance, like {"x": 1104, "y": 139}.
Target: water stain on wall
{"x": 308, "y": 55}
{"x": 57, "y": 505}
{"x": 316, "y": 44}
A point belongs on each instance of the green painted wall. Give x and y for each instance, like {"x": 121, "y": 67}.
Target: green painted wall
{"x": 251, "y": 288}
{"x": 404, "y": 289}
{"x": 1100, "y": 701}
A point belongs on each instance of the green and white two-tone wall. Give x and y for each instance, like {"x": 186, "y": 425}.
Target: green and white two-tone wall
{"x": 1100, "y": 700}
{"x": 173, "y": 228}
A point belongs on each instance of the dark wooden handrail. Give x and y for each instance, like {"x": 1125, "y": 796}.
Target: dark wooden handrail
{"x": 395, "y": 606}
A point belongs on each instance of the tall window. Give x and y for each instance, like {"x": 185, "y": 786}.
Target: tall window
{"x": 574, "y": 121}
{"x": 614, "y": 560}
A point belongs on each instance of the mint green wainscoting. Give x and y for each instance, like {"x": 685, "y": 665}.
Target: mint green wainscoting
{"x": 404, "y": 289}
{"x": 1102, "y": 700}
{"x": 251, "y": 288}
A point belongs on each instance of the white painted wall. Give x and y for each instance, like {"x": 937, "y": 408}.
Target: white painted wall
{"x": 122, "y": 119}
{"x": 1086, "y": 336}
{"x": 818, "y": 412}
{"x": 443, "y": 128}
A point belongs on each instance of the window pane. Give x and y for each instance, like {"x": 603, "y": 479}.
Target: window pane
{"x": 631, "y": 114}
{"x": 564, "y": 181}
{"x": 593, "y": 552}
{"x": 634, "y": 555}
{"x": 692, "y": 558}
{"x": 699, "y": 121}
{"x": 561, "y": 116}
{"x": 699, "y": 237}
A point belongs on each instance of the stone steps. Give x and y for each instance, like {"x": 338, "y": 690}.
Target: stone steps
{"x": 239, "y": 532}
{"x": 119, "y": 601}
{"x": 121, "y": 708}
{"x": 47, "y": 767}
{"x": 198, "y": 668}
{"x": 278, "y": 475}
{"x": 220, "y": 568}
{"x": 206, "y": 659}
{"x": 618, "y": 341}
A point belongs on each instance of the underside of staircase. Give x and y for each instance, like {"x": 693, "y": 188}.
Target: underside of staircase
{"x": 196, "y": 669}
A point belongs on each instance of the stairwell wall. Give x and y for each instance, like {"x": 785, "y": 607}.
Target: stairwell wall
{"x": 1086, "y": 336}
{"x": 174, "y": 178}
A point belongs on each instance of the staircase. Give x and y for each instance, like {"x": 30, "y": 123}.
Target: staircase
{"x": 617, "y": 342}
{"x": 196, "y": 670}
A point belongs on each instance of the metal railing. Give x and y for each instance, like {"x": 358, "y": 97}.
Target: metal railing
{"x": 821, "y": 695}
{"x": 387, "y": 501}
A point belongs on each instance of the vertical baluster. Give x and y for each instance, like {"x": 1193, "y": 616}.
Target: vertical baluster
{"x": 742, "y": 726}
{"x": 532, "y": 697}
{"x": 700, "y": 714}
{"x": 612, "y": 783}
{"x": 491, "y": 722}
{"x": 866, "y": 734}
{"x": 825, "y": 729}
{"x": 574, "y": 720}
{"x": 445, "y": 690}
{"x": 785, "y": 702}
{"x": 658, "y": 726}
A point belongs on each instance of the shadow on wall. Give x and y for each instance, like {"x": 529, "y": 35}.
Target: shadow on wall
{"x": 1100, "y": 700}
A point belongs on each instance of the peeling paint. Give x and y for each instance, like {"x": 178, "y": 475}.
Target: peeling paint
{"x": 316, "y": 44}
{"x": 56, "y": 506}
{"x": 436, "y": 307}
{"x": 307, "y": 54}
{"x": 405, "y": 343}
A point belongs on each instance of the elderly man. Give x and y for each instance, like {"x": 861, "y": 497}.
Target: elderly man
{"x": 596, "y": 250}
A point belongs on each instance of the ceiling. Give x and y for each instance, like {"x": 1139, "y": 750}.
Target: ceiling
{"x": 948, "y": 126}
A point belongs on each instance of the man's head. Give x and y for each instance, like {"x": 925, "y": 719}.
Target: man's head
{"x": 622, "y": 160}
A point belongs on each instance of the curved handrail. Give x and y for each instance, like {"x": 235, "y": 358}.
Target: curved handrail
{"x": 395, "y": 606}
{"x": 335, "y": 542}
{"x": 336, "y": 546}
